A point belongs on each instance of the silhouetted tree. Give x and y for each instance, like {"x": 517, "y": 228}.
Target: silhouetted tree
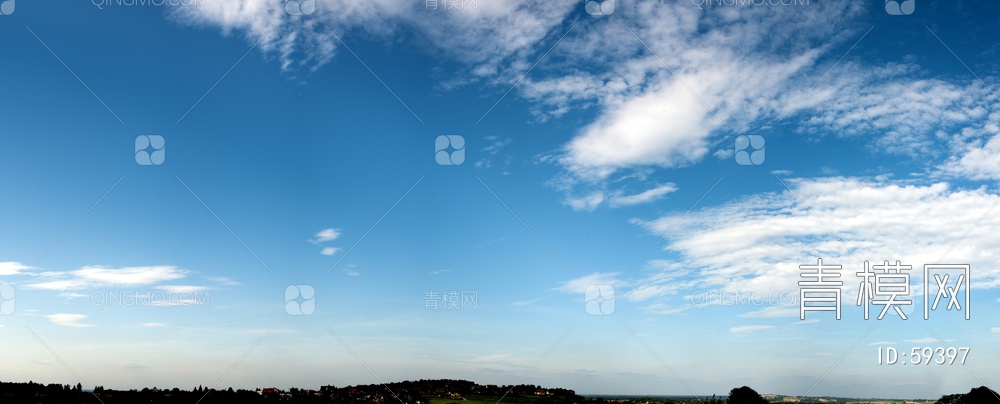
{"x": 980, "y": 395}
{"x": 745, "y": 395}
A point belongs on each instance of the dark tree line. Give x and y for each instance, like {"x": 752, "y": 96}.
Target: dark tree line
{"x": 978, "y": 395}
{"x": 407, "y": 392}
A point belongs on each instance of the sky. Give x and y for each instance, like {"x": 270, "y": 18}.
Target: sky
{"x": 610, "y": 197}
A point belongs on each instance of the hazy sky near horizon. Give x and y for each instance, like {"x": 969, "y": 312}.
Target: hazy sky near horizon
{"x": 270, "y": 175}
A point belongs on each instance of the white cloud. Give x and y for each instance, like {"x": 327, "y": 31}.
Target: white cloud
{"x": 350, "y": 271}
{"x": 579, "y": 285}
{"x": 586, "y": 203}
{"x": 661, "y": 308}
{"x": 995, "y": 330}
{"x": 757, "y": 243}
{"x": 154, "y": 325}
{"x": 11, "y": 268}
{"x": 224, "y": 280}
{"x": 495, "y": 144}
{"x": 497, "y": 37}
{"x": 616, "y": 198}
{"x": 499, "y": 40}
{"x": 900, "y": 115}
{"x": 977, "y": 152}
{"x": 773, "y": 311}
{"x": 68, "y": 320}
{"x": 666, "y": 278}
{"x": 650, "y": 195}
{"x": 882, "y": 343}
{"x": 743, "y": 329}
{"x": 927, "y": 340}
{"x": 326, "y": 235}
{"x": 98, "y": 276}
{"x": 634, "y": 134}
{"x": 182, "y": 289}
{"x": 651, "y": 115}
{"x": 489, "y": 155}
{"x": 529, "y": 302}
{"x": 329, "y": 251}
{"x": 676, "y": 77}
{"x": 725, "y": 154}
{"x": 666, "y": 85}
{"x": 290, "y": 38}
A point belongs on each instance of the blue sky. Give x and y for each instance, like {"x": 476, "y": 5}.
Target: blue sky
{"x": 599, "y": 150}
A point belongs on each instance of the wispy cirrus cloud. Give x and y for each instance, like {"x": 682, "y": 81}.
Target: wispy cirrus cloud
{"x": 179, "y": 289}
{"x": 745, "y": 329}
{"x": 498, "y": 36}
{"x": 927, "y": 340}
{"x": 617, "y": 198}
{"x": 773, "y": 311}
{"x": 579, "y": 285}
{"x": 490, "y": 152}
{"x": 667, "y": 83}
{"x": 668, "y": 89}
{"x": 650, "y": 195}
{"x": 757, "y": 243}
{"x": 669, "y": 95}
{"x": 529, "y": 302}
{"x": 99, "y": 276}
{"x": 224, "y": 280}
{"x": 68, "y": 320}
{"x": 754, "y": 245}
